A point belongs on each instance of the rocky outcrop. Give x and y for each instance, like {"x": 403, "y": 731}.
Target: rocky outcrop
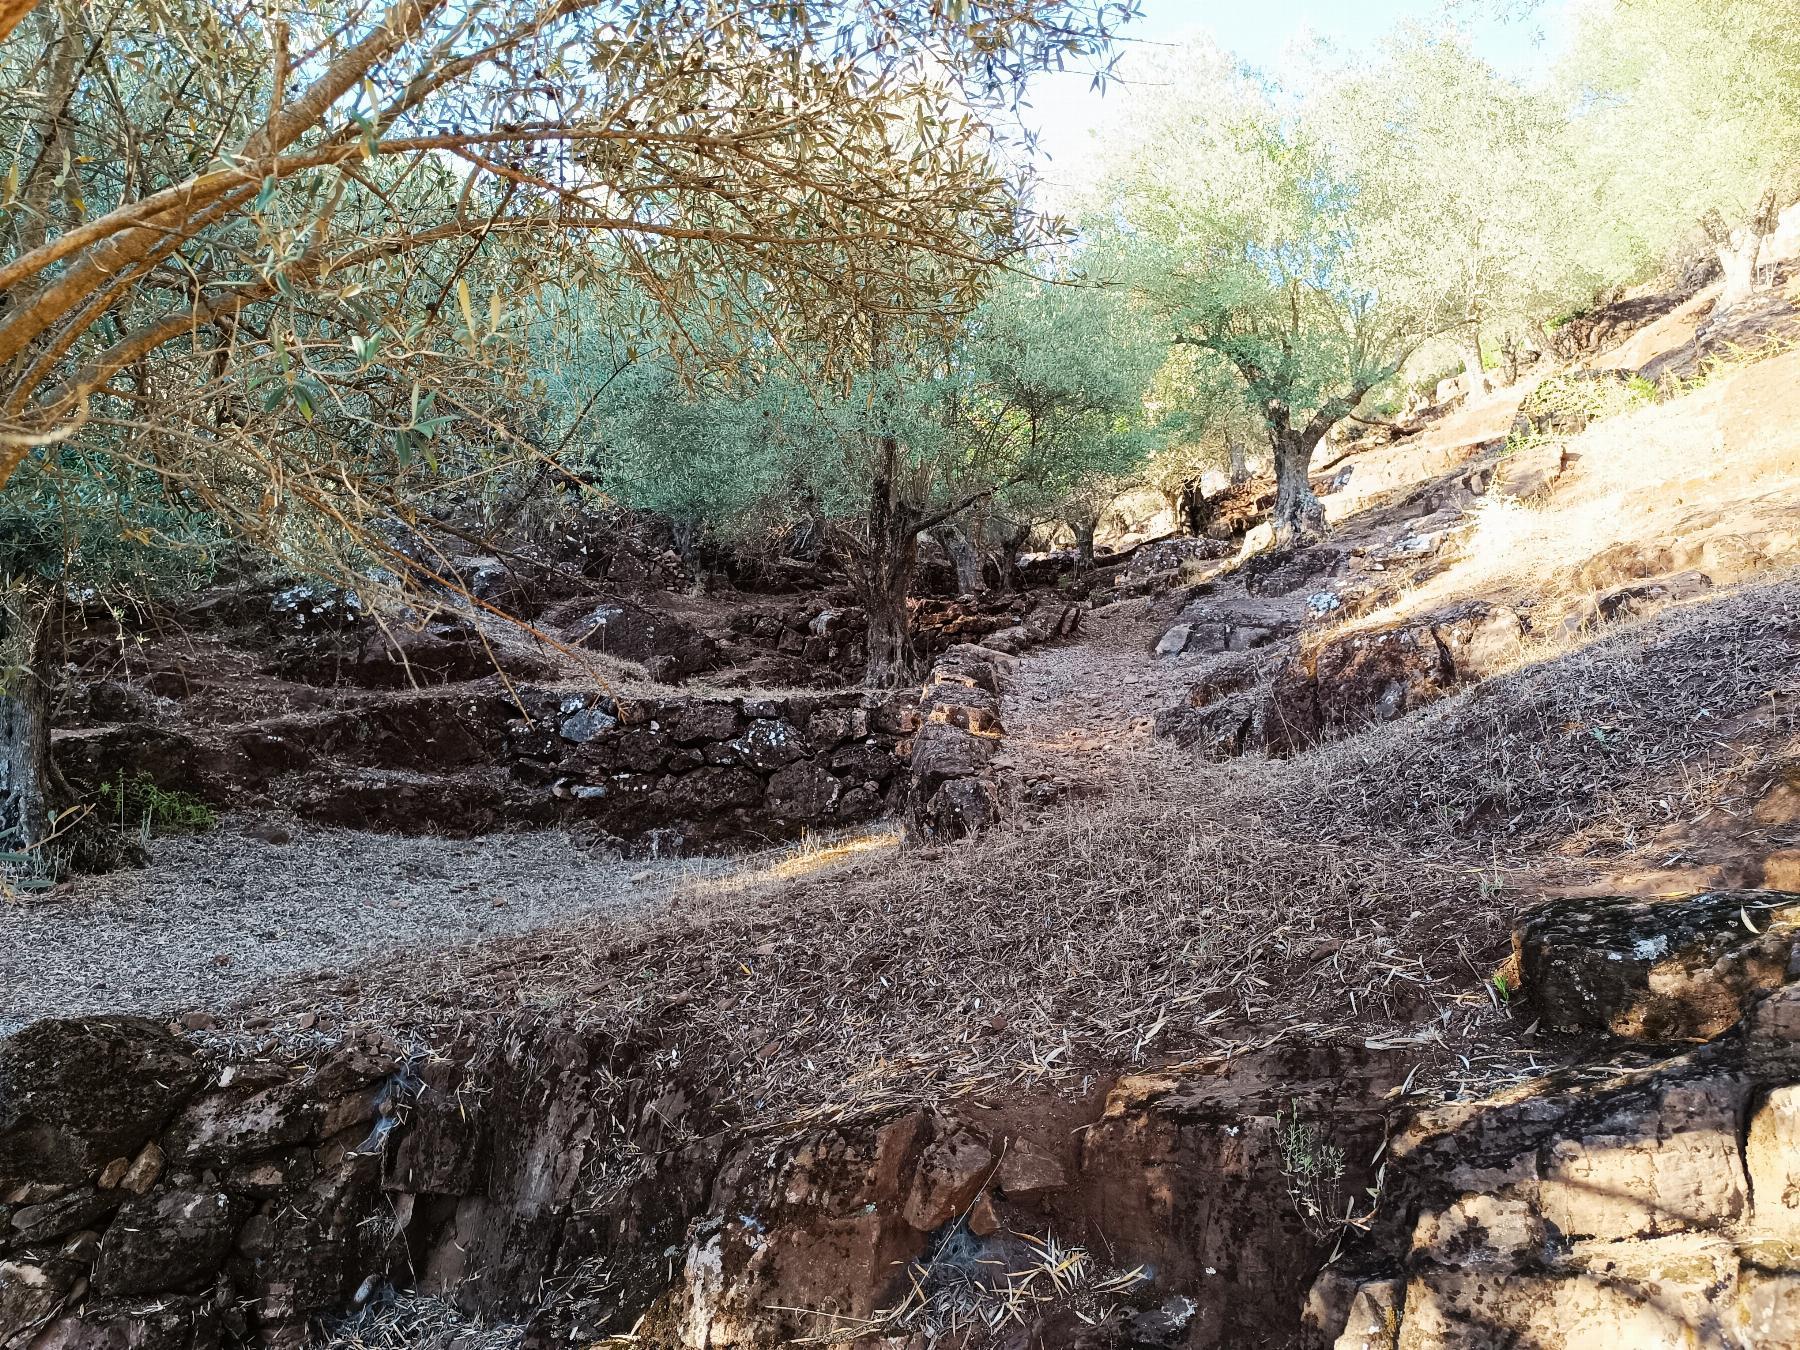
{"x": 801, "y": 644}
{"x": 258, "y": 1188}
{"x": 1657, "y": 970}
{"x": 1350, "y": 680}
{"x": 1225, "y": 728}
{"x": 1641, "y": 599}
{"x": 1046, "y": 623}
{"x": 1653, "y": 1206}
{"x": 218, "y": 1189}
{"x": 1209, "y": 627}
{"x": 952, "y": 789}
{"x": 668, "y": 648}
{"x": 553, "y": 1177}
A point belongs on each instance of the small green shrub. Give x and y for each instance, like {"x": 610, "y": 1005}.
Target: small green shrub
{"x": 138, "y": 802}
{"x": 1313, "y": 1168}
{"x": 1565, "y": 405}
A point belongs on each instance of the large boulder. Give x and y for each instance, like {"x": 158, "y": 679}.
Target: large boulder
{"x": 173, "y": 1240}
{"x": 1641, "y": 599}
{"x": 1210, "y": 628}
{"x": 1223, "y": 729}
{"x": 1353, "y": 679}
{"x": 76, "y": 1094}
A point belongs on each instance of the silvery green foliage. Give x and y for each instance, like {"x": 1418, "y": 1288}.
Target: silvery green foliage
{"x": 1462, "y": 178}
{"x": 1680, "y": 109}
{"x": 1235, "y": 219}
{"x": 1043, "y": 389}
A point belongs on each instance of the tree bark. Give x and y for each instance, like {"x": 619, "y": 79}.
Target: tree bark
{"x": 1738, "y": 256}
{"x": 1474, "y": 374}
{"x": 1190, "y": 508}
{"x": 881, "y": 569}
{"x": 1298, "y": 513}
{"x": 1084, "y": 529}
{"x": 890, "y": 660}
{"x": 1239, "y": 461}
{"x": 1013, "y": 536}
{"x": 1740, "y": 250}
{"x": 26, "y": 685}
{"x": 963, "y": 556}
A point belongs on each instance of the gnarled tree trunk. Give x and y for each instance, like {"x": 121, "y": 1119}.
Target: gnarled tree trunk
{"x": 1239, "y": 460}
{"x": 881, "y": 566}
{"x": 1738, "y": 256}
{"x": 1189, "y": 504}
{"x": 1085, "y": 529}
{"x": 1740, "y": 250}
{"x": 26, "y": 686}
{"x": 963, "y": 557}
{"x": 1298, "y": 513}
{"x": 1474, "y": 373}
{"x": 1012, "y": 536}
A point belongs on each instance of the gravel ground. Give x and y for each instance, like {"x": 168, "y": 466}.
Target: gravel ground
{"x": 216, "y": 916}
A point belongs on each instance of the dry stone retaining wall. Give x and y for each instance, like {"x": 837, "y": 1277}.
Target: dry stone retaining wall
{"x": 668, "y": 774}
{"x": 952, "y": 790}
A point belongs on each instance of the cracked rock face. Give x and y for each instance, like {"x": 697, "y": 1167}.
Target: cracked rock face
{"x": 1377, "y": 675}
{"x": 1657, "y": 970}
{"x": 76, "y": 1095}
{"x": 1656, "y": 1206}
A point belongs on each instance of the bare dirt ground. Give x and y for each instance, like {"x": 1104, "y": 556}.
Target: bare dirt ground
{"x": 219, "y": 916}
{"x": 1078, "y": 717}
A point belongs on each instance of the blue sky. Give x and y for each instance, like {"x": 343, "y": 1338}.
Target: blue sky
{"x": 1064, "y": 110}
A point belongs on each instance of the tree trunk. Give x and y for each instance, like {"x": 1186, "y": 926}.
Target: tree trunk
{"x": 1474, "y": 375}
{"x": 962, "y": 553}
{"x": 1738, "y": 256}
{"x": 26, "y": 684}
{"x": 1013, "y": 537}
{"x": 1084, "y": 544}
{"x": 881, "y": 571}
{"x": 1239, "y": 461}
{"x": 890, "y": 647}
{"x": 1190, "y": 508}
{"x": 1298, "y": 514}
{"x": 1740, "y": 249}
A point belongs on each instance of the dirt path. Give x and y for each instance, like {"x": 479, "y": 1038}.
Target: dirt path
{"x": 218, "y": 916}
{"x": 1078, "y": 717}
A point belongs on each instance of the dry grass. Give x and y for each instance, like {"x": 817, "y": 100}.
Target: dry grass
{"x": 1718, "y": 464}
{"x": 1585, "y": 756}
{"x": 415, "y": 1322}
{"x": 1367, "y": 888}
{"x": 962, "y": 1295}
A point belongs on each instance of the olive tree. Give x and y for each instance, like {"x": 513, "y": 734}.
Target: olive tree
{"x": 1464, "y": 183}
{"x": 1243, "y": 230}
{"x": 276, "y": 258}
{"x": 1050, "y": 400}
{"x": 1688, "y": 113}
{"x": 1039, "y": 393}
